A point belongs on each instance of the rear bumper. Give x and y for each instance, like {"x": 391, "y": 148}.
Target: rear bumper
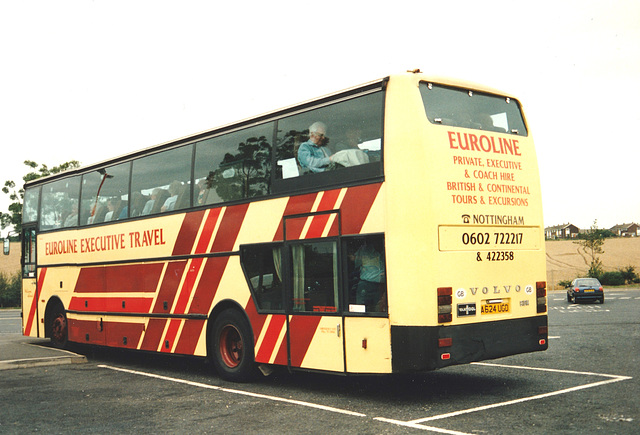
{"x": 415, "y": 348}
{"x": 588, "y": 296}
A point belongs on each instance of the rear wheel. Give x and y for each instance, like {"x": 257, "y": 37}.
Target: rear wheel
{"x": 57, "y": 325}
{"x": 231, "y": 347}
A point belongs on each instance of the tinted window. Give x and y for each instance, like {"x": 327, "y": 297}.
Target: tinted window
{"x": 105, "y": 194}
{"x": 338, "y": 137}
{"x": 263, "y": 268}
{"x": 29, "y": 253}
{"x": 30, "y": 204}
{"x": 366, "y": 272}
{"x": 588, "y": 282}
{"x": 234, "y": 166}
{"x": 470, "y": 109}
{"x": 60, "y": 204}
{"x": 161, "y": 182}
{"x": 314, "y": 277}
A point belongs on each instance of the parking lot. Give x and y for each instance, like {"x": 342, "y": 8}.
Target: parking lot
{"x": 587, "y": 382}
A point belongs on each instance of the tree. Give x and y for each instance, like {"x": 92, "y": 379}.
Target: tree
{"x": 14, "y": 216}
{"x": 592, "y": 245}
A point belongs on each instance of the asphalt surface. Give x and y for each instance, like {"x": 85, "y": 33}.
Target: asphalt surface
{"x": 587, "y": 382}
{"x": 25, "y": 352}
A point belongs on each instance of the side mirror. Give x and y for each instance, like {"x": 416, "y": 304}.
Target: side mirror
{"x": 7, "y": 245}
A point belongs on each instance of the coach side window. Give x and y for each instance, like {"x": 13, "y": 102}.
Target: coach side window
{"x": 262, "y": 265}
{"x": 105, "y": 194}
{"x": 343, "y": 135}
{"x": 234, "y": 166}
{"x": 60, "y": 204}
{"x": 161, "y": 182}
{"x": 366, "y": 274}
{"x": 30, "y": 205}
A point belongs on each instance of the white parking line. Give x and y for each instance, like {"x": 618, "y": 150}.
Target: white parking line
{"x": 611, "y": 379}
{"x": 240, "y": 392}
{"x": 417, "y": 423}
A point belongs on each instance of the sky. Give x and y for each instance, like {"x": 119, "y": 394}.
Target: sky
{"x": 90, "y": 80}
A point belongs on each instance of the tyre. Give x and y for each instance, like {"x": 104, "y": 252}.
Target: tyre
{"x": 568, "y": 298}
{"x": 231, "y": 347}
{"x": 57, "y": 326}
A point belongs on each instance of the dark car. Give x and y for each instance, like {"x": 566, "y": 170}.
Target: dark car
{"x": 585, "y": 289}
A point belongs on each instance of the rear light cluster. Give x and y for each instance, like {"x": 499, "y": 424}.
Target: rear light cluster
{"x": 543, "y": 331}
{"x": 541, "y": 295}
{"x": 443, "y": 343}
{"x": 444, "y": 304}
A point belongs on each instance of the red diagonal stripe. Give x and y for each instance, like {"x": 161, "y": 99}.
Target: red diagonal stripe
{"x": 188, "y": 232}
{"x": 153, "y": 334}
{"x": 318, "y": 223}
{"x": 174, "y": 325}
{"x": 296, "y": 205}
{"x": 187, "y": 286}
{"x": 282, "y": 357}
{"x": 256, "y": 320}
{"x": 202, "y": 300}
{"x": 355, "y": 208}
{"x": 34, "y": 303}
{"x": 189, "y": 336}
{"x": 208, "y": 285}
{"x": 169, "y": 286}
{"x": 229, "y": 228}
{"x": 212, "y": 273}
{"x": 328, "y": 200}
{"x": 301, "y": 331}
{"x": 270, "y": 338}
{"x": 207, "y": 231}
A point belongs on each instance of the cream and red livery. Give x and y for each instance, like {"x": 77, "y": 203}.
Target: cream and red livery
{"x": 223, "y": 245}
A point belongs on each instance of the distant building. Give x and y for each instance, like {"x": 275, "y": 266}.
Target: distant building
{"x": 10, "y": 264}
{"x": 564, "y": 231}
{"x": 626, "y": 230}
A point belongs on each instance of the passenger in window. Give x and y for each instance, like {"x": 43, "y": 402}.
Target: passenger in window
{"x": 352, "y": 139}
{"x": 175, "y": 189}
{"x": 161, "y": 198}
{"x": 98, "y": 214}
{"x": 350, "y": 154}
{"x": 72, "y": 219}
{"x": 313, "y": 154}
{"x": 370, "y": 287}
{"x": 117, "y": 209}
{"x": 138, "y": 201}
{"x": 149, "y": 205}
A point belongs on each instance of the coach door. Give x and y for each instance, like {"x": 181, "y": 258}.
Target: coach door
{"x": 315, "y": 325}
{"x": 30, "y": 316}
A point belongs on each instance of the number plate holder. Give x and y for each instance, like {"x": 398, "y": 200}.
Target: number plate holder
{"x": 495, "y": 306}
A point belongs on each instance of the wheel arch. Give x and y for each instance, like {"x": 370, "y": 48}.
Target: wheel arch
{"x": 52, "y": 304}
{"x": 227, "y": 304}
